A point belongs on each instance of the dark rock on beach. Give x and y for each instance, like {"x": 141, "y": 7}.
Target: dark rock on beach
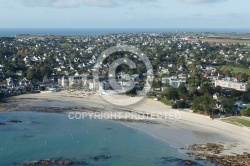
{"x": 55, "y": 162}
{"x": 14, "y": 121}
{"x": 10, "y": 121}
{"x": 101, "y": 157}
{"x": 177, "y": 161}
{"x": 138, "y": 121}
{"x": 209, "y": 147}
{"x": 27, "y": 136}
{"x": 189, "y": 162}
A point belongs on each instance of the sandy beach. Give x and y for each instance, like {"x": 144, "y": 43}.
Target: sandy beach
{"x": 181, "y": 132}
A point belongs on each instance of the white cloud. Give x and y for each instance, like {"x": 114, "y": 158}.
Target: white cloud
{"x": 201, "y": 1}
{"x": 77, "y": 3}
{"x": 52, "y": 3}
{"x": 101, "y": 3}
{"x": 112, "y": 3}
{"x": 66, "y": 3}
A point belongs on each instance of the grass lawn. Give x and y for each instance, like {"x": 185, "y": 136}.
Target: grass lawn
{"x": 236, "y": 69}
{"x": 166, "y": 101}
{"x": 238, "y": 121}
{"x": 246, "y": 48}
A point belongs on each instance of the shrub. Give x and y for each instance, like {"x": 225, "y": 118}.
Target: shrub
{"x": 245, "y": 112}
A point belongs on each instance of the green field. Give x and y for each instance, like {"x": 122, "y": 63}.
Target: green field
{"x": 231, "y": 36}
{"x": 246, "y": 48}
{"x": 238, "y": 121}
{"x": 166, "y": 101}
{"x": 236, "y": 69}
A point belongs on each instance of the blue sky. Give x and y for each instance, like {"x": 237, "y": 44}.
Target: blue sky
{"x": 124, "y": 14}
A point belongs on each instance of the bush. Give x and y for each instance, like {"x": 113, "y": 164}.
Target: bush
{"x": 174, "y": 106}
{"x": 180, "y": 104}
{"x": 1, "y": 95}
{"x": 171, "y": 94}
{"x": 245, "y": 112}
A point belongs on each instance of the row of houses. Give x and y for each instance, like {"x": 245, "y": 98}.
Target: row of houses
{"x": 121, "y": 82}
{"x": 83, "y": 81}
{"x": 232, "y": 84}
{"x": 103, "y": 83}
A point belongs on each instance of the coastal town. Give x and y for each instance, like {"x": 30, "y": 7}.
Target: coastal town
{"x": 186, "y": 67}
{"x": 125, "y": 83}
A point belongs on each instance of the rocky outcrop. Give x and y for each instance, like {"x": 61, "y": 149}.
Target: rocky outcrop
{"x": 209, "y": 147}
{"x": 101, "y": 157}
{"x": 2, "y": 123}
{"x": 177, "y": 161}
{"x": 65, "y": 162}
{"x": 189, "y": 162}
{"x": 14, "y": 121}
{"x": 10, "y": 121}
{"x": 211, "y": 152}
{"x": 55, "y": 162}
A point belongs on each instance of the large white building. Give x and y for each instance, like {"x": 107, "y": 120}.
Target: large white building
{"x": 93, "y": 85}
{"x": 232, "y": 84}
{"x": 173, "y": 81}
{"x": 65, "y": 81}
{"x": 72, "y": 80}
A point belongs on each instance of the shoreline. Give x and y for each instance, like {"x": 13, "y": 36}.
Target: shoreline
{"x": 181, "y": 133}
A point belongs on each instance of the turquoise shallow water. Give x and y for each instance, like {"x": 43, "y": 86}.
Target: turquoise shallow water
{"x": 52, "y": 136}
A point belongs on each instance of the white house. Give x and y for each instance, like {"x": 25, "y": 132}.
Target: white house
{"x": 75, "y": 80}
{"x": 10, "y": 82}
{"x": 65, "y": 81}
{"x": 24, "y": 82}
{"x": 216, "y": 96}
{"x": 19, "y": 72}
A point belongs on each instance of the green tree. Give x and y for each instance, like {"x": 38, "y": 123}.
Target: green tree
{"x": 182, "y": 90}
{"x": 208, "y": 103}
{"x": 132, "y": 92}
{"x": 197, "y": 104}
{"x": 245, "y": 112}
{"x": 228, "y": 104}
{"x": 157, "y": 83}
{"x": 205, "y": 104}
{"x": 30, "y": 74}
{"x": 180, "y": 104}
{"x": 246, "y": 96}
{"x": 206, "y": 89}
{"x": 45, "y": 70}
{"x": 171, "y": 94}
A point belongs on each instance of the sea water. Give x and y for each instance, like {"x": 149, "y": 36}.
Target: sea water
{"x": 103, "y": 31}
{"x": 52, "y": 136}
